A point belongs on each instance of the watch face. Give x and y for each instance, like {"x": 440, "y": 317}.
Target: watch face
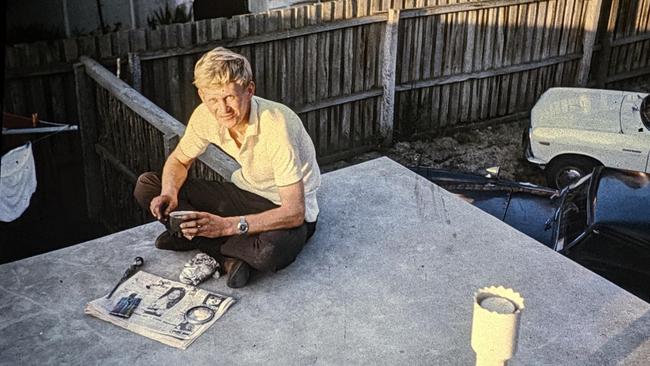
{"x": 242, "y": 227}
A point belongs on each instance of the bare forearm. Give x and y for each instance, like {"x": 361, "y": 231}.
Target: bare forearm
{"x": 289, "y": 215}
{"x": 173, "y": 177}
{"x": 274, "y": 219}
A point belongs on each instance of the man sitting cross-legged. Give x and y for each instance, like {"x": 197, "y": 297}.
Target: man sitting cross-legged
{"x": 264, "y": 217}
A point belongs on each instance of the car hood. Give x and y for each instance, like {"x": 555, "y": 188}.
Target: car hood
{"x": 582, "y": 109}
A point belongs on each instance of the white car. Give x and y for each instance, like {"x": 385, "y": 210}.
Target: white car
{"x": 572, "y": 130}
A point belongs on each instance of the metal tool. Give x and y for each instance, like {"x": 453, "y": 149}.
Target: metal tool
{"x": 133, "y": 268}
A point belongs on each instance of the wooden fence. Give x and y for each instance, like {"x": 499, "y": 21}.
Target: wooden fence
{"x": 623, "y": 50}
{"x": 343, "y": 65}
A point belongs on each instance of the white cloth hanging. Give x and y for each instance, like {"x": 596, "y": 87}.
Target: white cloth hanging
{"x": 17, "y": 182}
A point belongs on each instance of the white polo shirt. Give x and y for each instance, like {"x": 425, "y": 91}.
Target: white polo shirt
{"x": 276, "y": 151}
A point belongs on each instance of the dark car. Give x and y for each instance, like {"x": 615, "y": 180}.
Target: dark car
{"x": 601, "y": 221}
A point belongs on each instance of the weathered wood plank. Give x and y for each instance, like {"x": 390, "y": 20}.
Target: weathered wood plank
{"x": 323, "y": 78}
{"x": 476, "y": 101}
{"x": 404, "y": 46}
{"x": 202, "y": 31}
{"x": 500, "y": 37}
{"x": 14, "y": 89}
{"x": 336, "y": 77}
{"x": 157, "y": 89}
{"x": 388, "y": 77}
{"x": 428, "y": 47}
{"x": 548, "y": 29}
{"x": 461, "y": 7}
{"x": 259, "y": 55}
{"x": 440, "y": 31}
{"x": 520, "y": 36}
{"x": 470, "y": 39}
{"x": 85, "y": 94}
{"x": 298, "y": 61}
{"x": 530, "y": 31}
{"x": 216, "y": 31}
{"x": 270, "y": 36}
{"x": 71, "y": 49}
{"x": 105, "y": 46}
{"x": 510, "y": 35}
{"x": 489, "y": 45}
{"x": 575, "y": 26}
{"x": 479, "y": 41}
{"x": 591, "y": 25}
{"x": 36, "y": 88}
{"x": 173, "y": 96}
{"x": 416, "y": 58}
{"x": 566, "y": 26}
{"x": 54, "y": 84}
{"x": 486, "y": 74}
{"x": 188, "y": 93}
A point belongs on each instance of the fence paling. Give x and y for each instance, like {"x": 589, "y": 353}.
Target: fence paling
{"x": 88, "y": 121}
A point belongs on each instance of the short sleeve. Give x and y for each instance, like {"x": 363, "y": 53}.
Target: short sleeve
{"x": 284, "y": 157}
{"x": 193, "y": 144}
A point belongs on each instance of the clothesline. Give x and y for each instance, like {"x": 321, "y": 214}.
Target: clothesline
{"x": 56, "y": 127}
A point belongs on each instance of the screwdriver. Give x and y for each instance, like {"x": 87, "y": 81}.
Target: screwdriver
{"x": 133, "y": 268}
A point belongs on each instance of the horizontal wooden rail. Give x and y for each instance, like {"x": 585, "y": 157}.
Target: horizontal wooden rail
{"x": 24, "y": 72}
{"x": 216, "y": 159}
{"x": 265, "y": 38}
{"x": 629, "y": 75}
{"x": 631, "y": 39}
{"x": 331, "y": 102}
{"x": 116, "y": 163}
{"x": 451, "y": 79}
{"x": 36, "y": 71}
{"x": 455, "y": 8}
{"x": 447, "y": 130}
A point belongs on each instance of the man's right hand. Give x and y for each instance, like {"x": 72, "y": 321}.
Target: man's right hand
{"x": 162, "y": 205}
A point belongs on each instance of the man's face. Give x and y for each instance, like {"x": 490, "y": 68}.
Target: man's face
{"x": 229, "y": 104}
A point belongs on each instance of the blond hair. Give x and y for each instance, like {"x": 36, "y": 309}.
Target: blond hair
{"x": 220, "y": 67}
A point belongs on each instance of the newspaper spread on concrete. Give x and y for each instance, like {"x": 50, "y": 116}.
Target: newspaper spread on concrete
{"x": 157, "y": 308}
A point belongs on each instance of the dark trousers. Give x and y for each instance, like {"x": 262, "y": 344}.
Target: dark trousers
{"x": 267, "y": 251}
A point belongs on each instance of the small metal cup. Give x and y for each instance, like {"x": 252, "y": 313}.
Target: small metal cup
{"x": 175, "y": 220}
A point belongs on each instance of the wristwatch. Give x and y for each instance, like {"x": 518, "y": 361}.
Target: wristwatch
{"x": 242, "y": 226}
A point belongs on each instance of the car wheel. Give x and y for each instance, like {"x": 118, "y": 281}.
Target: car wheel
{"x": 565, "y": 170}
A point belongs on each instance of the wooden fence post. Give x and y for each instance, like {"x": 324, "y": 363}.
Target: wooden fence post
{"x": 135, "y": 71}
{"x": 86, "y": 111}
{"x": 591, "y": 27}
{"x": 606, "y": 38}
{"x": 388, "y": 77}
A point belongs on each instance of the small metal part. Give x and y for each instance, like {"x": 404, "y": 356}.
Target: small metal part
{"x": 133, "y": 268}
{"x": 199, "y": 314}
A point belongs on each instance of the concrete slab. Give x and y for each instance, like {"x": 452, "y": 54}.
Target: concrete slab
{"x": 387, "y": 279}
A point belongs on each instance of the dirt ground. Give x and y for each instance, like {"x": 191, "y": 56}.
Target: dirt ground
{"x": 472, "y": 150}
{"x": 467, "y": 151}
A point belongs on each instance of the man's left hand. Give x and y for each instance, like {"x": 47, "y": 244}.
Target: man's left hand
{"x": 205, "y": 224}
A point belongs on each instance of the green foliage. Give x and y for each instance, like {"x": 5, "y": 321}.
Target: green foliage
{"x": 166, "y": 15}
